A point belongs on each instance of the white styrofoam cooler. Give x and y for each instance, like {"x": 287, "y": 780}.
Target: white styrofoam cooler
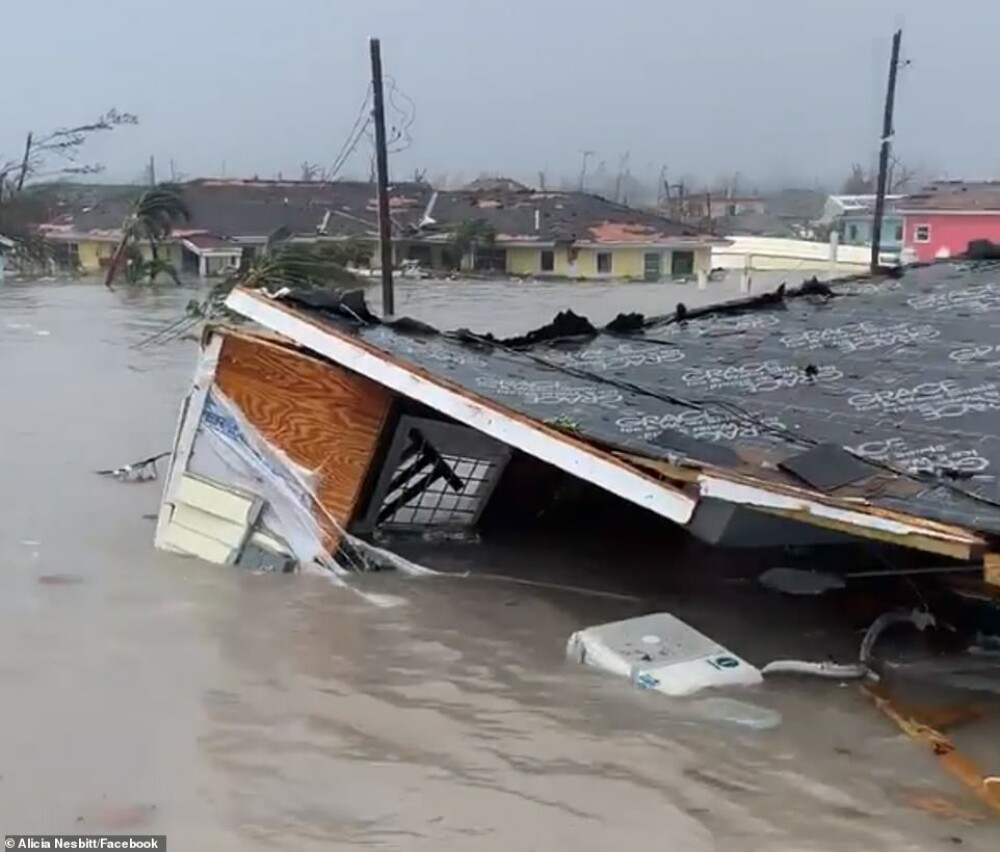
{"x": 660, "y": 652}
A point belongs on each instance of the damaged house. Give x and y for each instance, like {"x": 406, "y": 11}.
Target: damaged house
{"x": 233, "y": 218}
{"x": 864, "y": 409}
{"x": 538, "y": 233}
{"x": 495, "y": 228}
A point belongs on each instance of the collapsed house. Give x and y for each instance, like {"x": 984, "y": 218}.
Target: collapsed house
{"x": 860, "y": 409}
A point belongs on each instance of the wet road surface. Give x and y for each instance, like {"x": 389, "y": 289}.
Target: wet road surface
{"x": 148, "y": 693}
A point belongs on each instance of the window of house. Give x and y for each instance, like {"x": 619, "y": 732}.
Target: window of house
{"x": 731, "y": 210}
{"x": 604, "y": 263}
{"x": 548, "y": 260}
{"x": 490, "y": 259}
{"x": 899, "y": 233}
{"x": 922, "y": 234}
{"x": 852, "y": 233}
{"x": 681, "y": 264}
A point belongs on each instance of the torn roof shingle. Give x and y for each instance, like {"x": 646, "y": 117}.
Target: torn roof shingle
{"x": 901, "y": 372}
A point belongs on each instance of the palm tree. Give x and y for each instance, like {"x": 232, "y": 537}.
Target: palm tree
{"x": 281, "y": 264}
{"x": 151, "y": 220}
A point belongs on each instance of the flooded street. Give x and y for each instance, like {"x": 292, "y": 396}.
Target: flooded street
{"x": 232, "y": 711}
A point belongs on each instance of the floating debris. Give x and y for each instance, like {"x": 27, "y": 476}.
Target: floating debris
{"x": 662, "y": 653}
{"x": 141, "y": 471}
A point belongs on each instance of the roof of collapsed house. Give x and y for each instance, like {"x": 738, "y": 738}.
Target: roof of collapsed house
{"x": 348, "y": 209}
{"x": 877, "y": 393}
{"x": 520, "y": 214}
{"x": 257, "y": 208}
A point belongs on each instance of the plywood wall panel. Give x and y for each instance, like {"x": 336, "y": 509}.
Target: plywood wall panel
{"x": 321, "y": 416}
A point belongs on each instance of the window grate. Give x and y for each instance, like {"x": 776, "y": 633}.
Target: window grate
{"x": 435, "y": 475}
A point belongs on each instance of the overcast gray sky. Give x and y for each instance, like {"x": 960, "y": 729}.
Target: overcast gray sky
{"x": 770, "y": 88}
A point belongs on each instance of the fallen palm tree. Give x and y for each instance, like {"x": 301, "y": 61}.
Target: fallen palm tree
{"x": 150, "y": 221}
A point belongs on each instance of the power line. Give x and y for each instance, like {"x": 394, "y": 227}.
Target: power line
{"x": 402, "y": 138}
{"x": 353, "y": 137}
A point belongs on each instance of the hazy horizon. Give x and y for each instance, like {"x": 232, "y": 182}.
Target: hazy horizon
{"x": 775, "y": 91}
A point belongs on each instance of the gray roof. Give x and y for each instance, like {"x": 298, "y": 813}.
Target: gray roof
{"x": 234, "y": 208}
{"x": 542, "y": 216}
{"x": 959, "y": 196}
{"x": 256, "y": 208}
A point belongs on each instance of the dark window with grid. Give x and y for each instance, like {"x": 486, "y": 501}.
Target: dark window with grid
{"x": 448, "y": 494}
{"x": 604, "y": 263}
{"x": 490, "y": 259}
{"x": 435, "y": 475}
{"x": 548, "y": 260}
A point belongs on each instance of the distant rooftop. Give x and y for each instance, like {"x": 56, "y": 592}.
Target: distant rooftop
{"x": 520, "y": 214}
{"x": 956, "y": 196}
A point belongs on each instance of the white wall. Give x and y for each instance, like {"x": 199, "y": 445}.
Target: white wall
{"x": 774, "y": 253}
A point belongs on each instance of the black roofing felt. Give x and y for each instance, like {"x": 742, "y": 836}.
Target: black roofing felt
{"x": 904, "y": 372}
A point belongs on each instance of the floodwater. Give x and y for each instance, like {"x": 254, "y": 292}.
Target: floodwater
{"x": 148, "y": 693}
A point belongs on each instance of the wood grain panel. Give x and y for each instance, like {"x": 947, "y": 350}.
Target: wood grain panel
{"x": 321, "y": 416}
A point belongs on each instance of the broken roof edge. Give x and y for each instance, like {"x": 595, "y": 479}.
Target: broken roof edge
{"x": 786, "y": 499}
{"x": 351, "y": 306}
{"x": 588, "y": 461}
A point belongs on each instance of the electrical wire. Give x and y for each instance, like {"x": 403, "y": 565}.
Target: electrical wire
{"x": 361, "y": 123}
{"x": 401, "y": 138}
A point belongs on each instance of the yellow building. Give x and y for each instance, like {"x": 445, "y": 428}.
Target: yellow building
{"x": 92, "y": 254}
{"x": 510, "y": 228}
{"x": 624, "y": 262}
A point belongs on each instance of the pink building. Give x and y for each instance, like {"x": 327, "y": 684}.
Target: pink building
{"x": 943, "y": 219}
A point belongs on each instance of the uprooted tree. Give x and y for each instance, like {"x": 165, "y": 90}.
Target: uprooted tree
{"x": 27, "y": 179}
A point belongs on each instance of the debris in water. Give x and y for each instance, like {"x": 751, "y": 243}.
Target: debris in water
{"x": 662, "y": 653}
{"x": 140, "y": 471}
{"x": 965, "y": 769}
{"x": 937, "y": 805}
{"x": 794, "y": 581}
{"x": 863, "y": 668}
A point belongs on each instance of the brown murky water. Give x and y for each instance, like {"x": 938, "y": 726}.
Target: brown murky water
{"x": 238, "y": 712}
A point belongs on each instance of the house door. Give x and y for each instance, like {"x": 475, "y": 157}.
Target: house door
{"x": 681, "y": 264}
{"x": 652, "y": 266}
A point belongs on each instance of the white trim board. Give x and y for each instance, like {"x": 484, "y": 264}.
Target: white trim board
{"x": 748, "y": 495}
{"x": 590, "y": 465}
{"x": 187, "y": 429}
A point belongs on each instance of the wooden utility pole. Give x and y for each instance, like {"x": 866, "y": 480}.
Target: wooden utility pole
{"x": 26, "y": 161}
{"x": 382, "y": 174}
{"x": 883, "y": 159}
